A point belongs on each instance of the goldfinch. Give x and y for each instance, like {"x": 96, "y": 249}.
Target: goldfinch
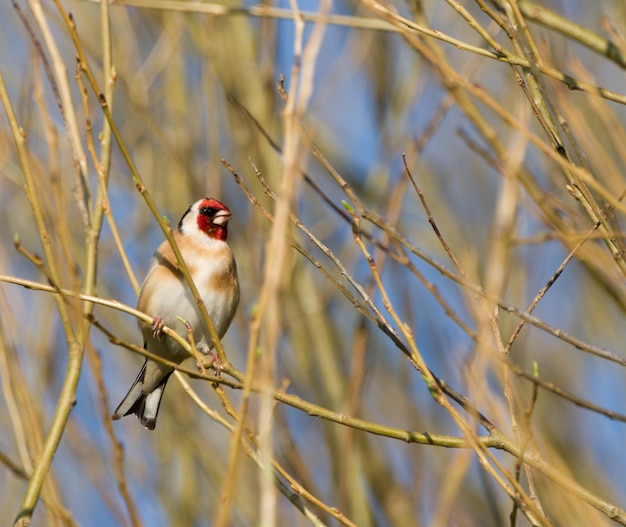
{"x": 201, "y": 236}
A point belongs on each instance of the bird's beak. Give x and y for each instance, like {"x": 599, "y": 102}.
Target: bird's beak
{"x": 222, "y": 217}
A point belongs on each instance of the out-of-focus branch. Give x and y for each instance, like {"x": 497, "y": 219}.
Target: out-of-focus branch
{"x": 552, "y": 20}
{"x": 75, "y": 350}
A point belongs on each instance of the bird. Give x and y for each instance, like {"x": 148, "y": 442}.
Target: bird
{"x": 201, "y": 237}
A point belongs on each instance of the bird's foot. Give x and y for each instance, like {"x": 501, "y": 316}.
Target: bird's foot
{"x": 216, "y": 363}
{"x": 157, "y": 328}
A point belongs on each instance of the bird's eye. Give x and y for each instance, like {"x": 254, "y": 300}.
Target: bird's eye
{"x": 208, "y": 211}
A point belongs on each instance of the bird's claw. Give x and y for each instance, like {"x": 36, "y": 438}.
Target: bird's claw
{"x": 157, "y": 328}
{"x": 216, "y": 363}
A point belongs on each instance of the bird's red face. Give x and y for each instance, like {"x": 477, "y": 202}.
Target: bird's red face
{"x": 208, "y": 216}
{"x": 212, "y": 218}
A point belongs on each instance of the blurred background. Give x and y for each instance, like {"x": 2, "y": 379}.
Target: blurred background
{"x": 520, "y": 158}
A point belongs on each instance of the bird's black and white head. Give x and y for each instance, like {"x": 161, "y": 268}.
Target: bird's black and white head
{"x": 208, "y": 216}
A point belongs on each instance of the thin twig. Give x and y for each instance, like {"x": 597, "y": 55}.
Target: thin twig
{"x": 542, "y": 292}
{"x": 431, "y": 219}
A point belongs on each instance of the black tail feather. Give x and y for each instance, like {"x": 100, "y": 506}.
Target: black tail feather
{"x": 144, "y": 405}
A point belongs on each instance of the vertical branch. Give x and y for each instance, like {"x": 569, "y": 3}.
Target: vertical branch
{"x": 268, "y": 315}
{"x": 75, "y": 350}
{"x": 101, "y": 209}
{"x": 67, "y": 109}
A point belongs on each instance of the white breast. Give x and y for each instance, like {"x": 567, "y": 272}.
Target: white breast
{"x": 166, "y": 295}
